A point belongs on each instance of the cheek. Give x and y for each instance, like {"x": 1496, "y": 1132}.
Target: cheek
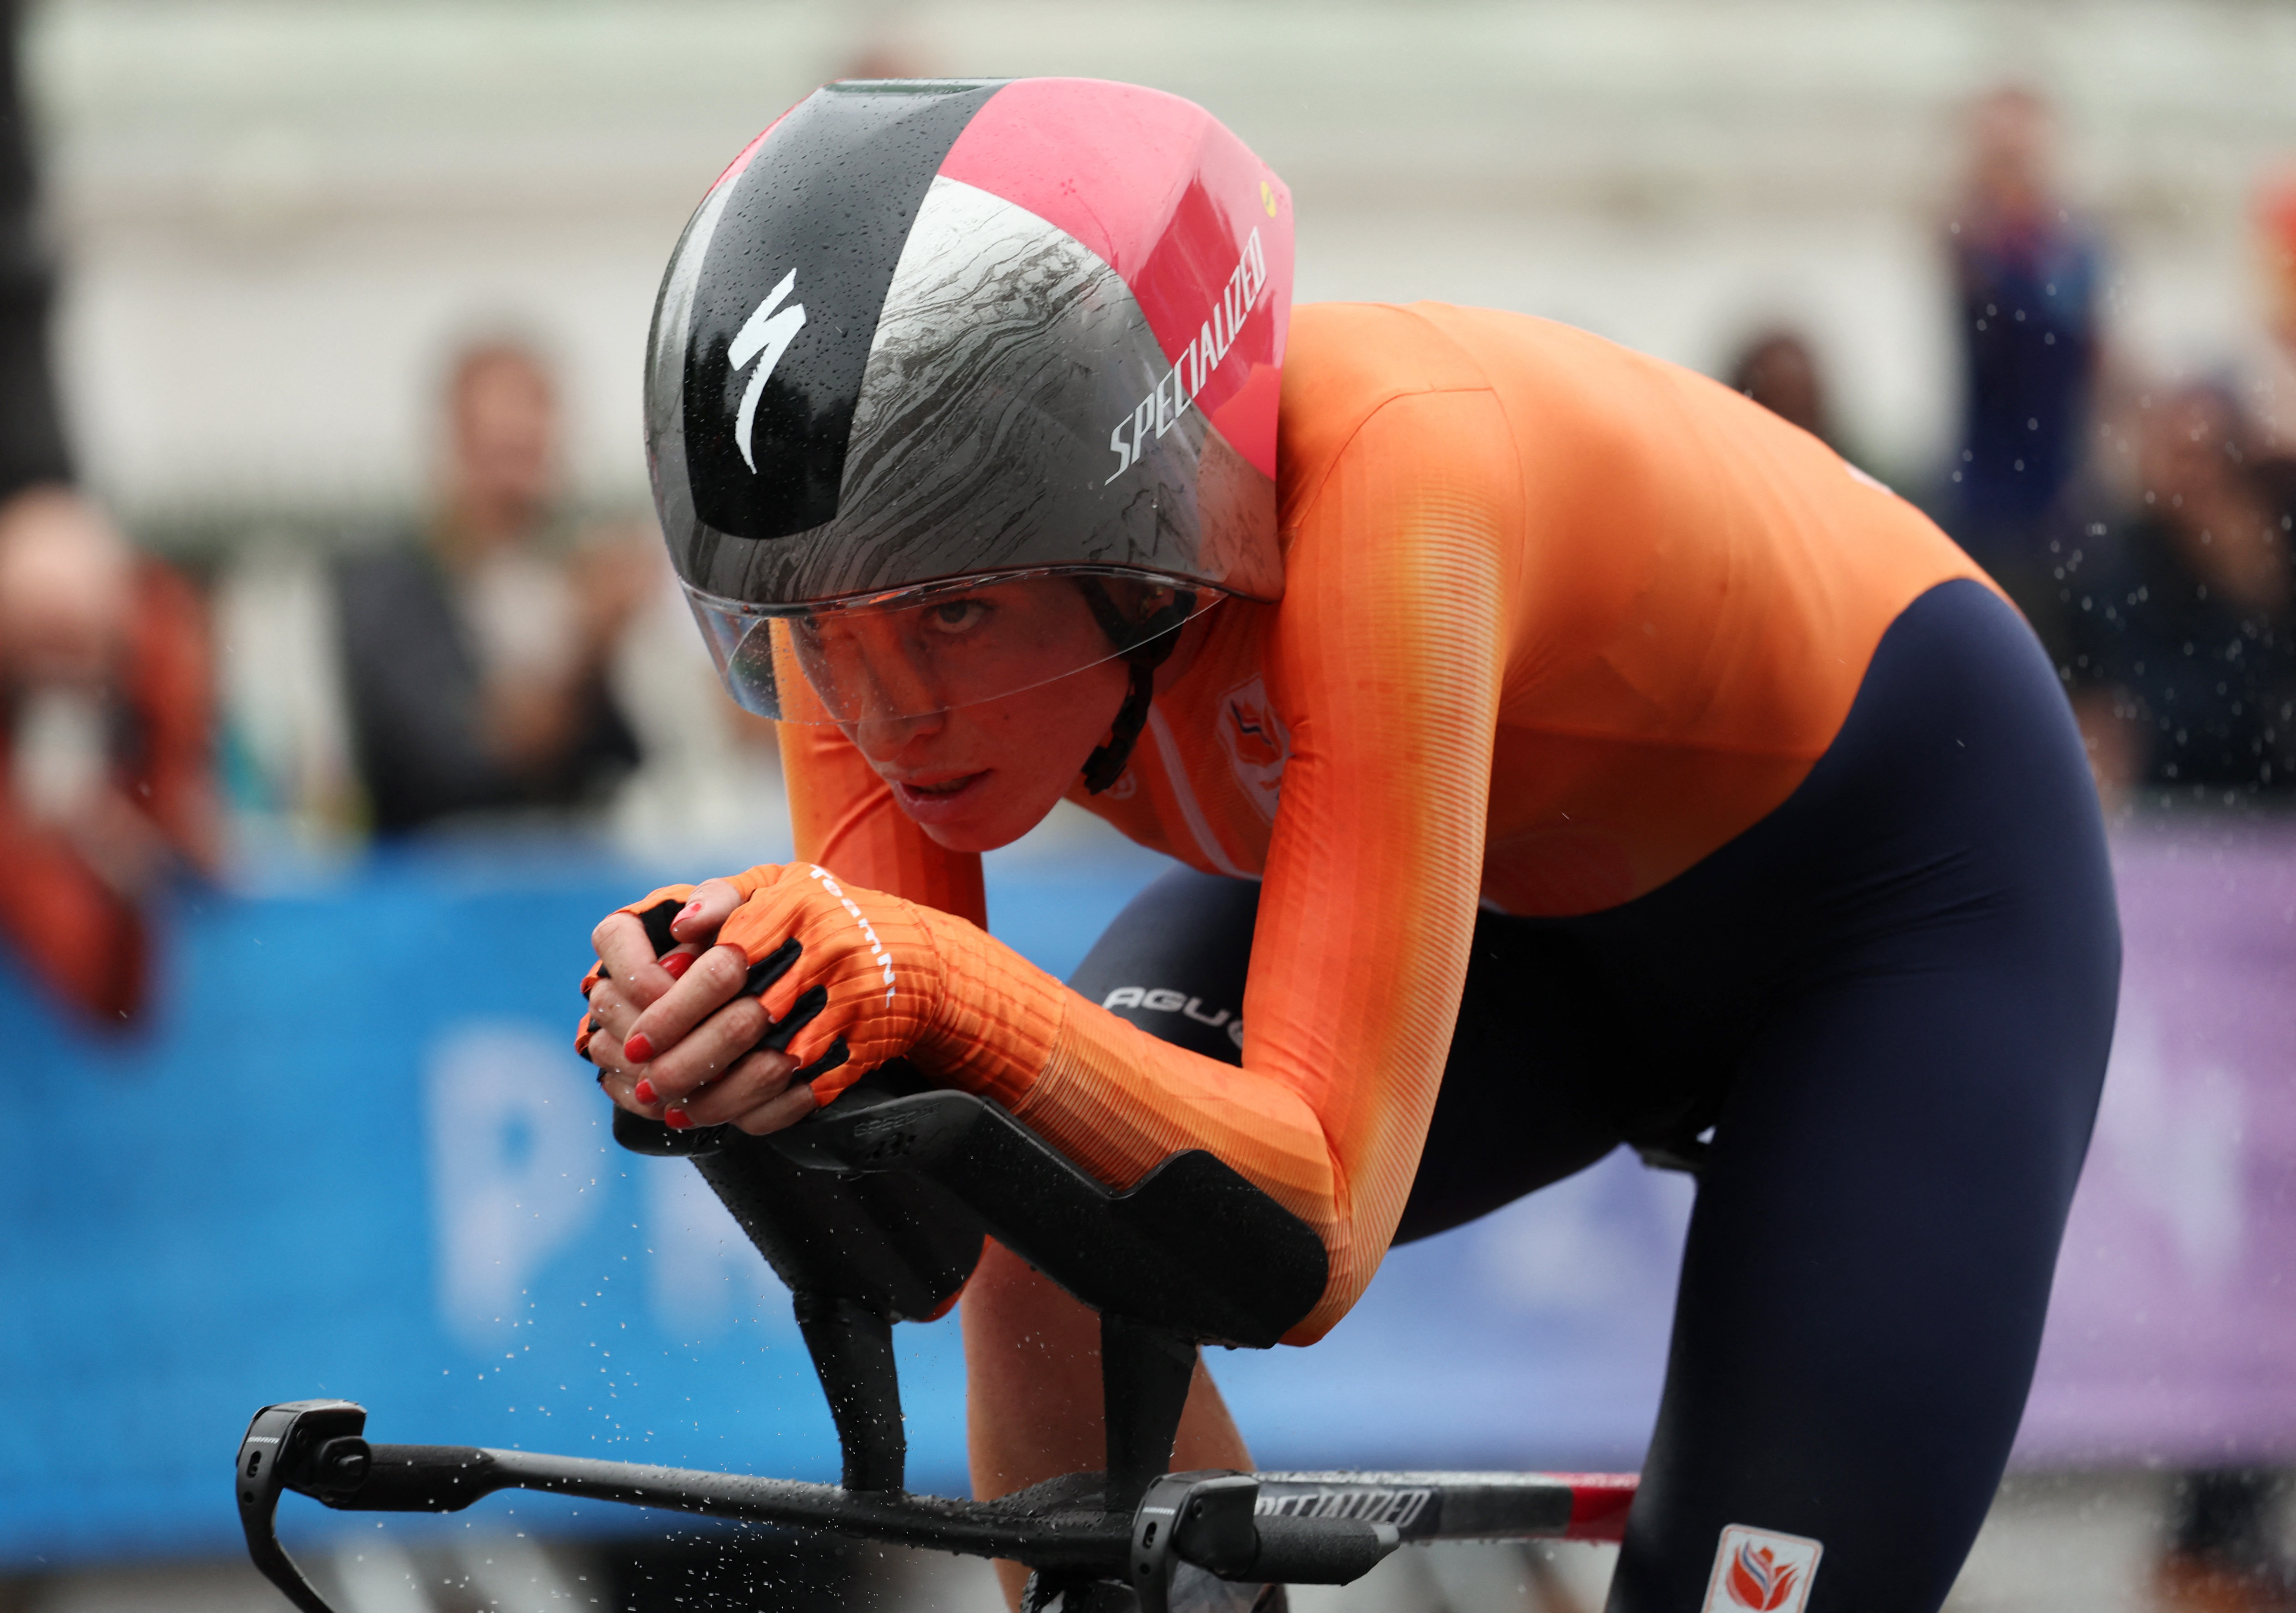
{"x": 1036, "y": 743}
{"x": 1074, "y": 712}
{"x": 1042, "y": 735}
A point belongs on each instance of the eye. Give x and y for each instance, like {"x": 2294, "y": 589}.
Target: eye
{"x": 955, "y": 616}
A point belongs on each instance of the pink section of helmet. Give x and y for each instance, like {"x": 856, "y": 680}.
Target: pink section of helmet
{"x": 1168, "y": 198}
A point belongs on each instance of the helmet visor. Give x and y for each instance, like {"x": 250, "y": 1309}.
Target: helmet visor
{"x": 936, "y": 648}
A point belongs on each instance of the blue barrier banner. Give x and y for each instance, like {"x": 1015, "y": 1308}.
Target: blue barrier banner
{"x": 354, "y": 1155}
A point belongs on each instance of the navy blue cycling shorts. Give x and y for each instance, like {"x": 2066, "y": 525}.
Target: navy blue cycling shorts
{"x": 1888, "y": 1005}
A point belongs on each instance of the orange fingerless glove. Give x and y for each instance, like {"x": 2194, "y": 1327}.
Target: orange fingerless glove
{"x": 850, "y": 977}
{"x": 853, "y": 978}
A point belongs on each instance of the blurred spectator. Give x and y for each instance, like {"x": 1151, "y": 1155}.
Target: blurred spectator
{"x": 2222, "y": 1555}
{"x": 1777, "y": 370}
{"x": 475, "y": 662}
{"x": 2026, "y": 277}
{"x": 104, "y": 782}
{"x": 2184, "y": 636}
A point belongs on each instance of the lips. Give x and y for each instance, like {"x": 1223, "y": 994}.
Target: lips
{"x": 938, "y": 800}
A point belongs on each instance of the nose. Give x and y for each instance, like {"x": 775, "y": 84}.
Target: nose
{"x": 883, "y": 737}
{"x": 893, "y": 703}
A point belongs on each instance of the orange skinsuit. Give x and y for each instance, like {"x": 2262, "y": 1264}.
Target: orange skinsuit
{"x": 1559, "y": 621}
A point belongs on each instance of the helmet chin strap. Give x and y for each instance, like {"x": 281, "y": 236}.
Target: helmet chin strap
{"x": 1145, "y": 646}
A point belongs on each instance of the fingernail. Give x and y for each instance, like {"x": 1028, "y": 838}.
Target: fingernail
{"x": 691, "y": 908}
{"x": 675, "y": 1118}
{"x": 644, "y": 1091}
{"x": 637, "y": 1049}
{"x": 678, "y": 962}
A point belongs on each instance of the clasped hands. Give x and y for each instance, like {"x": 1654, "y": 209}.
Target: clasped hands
{"x": 750, "y": 1000}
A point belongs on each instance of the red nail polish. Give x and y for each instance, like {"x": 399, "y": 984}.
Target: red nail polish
{"x": 644, "y": 1091}
{"x": 675, "y": 1118}
{"x": 678, "y": 962}
{"x": 637, "y": 1049}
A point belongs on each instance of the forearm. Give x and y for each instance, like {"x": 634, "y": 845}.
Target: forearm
{"x": 1118, "y": 1100}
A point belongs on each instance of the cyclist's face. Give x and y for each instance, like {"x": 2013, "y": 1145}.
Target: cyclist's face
{"x": 978, "y": 774}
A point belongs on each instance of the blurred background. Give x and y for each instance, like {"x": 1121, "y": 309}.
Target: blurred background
{"x": 346, "y": 686}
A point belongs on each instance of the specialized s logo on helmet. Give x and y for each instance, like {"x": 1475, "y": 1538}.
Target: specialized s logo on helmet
{"x": 1762, "y": 1571}
{"x": 770, "y": 334}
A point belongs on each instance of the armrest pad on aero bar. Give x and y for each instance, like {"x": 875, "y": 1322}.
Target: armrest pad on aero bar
{"x": 892, "y": 1243}
{"x": 1192, "y": 1245}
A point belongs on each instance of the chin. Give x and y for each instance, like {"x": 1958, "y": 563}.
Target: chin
{"x": 988, "y": 832}
{"x": 992, "y": 830}
{"x": 968, "y": 838}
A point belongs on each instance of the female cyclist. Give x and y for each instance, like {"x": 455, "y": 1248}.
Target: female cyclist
{"x": 1561, "y": 751}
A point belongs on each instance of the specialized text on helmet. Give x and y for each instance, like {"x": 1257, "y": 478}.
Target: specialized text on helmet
{"x": 1176, "y": 389}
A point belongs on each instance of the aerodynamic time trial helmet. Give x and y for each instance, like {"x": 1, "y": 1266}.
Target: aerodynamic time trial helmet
{"x": 930, "y": 349}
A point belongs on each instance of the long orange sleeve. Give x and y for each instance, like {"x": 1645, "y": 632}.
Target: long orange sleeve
{"x": 1386, "y": 658}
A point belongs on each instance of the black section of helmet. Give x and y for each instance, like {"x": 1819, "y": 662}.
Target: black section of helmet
{"x": 829, "y": 214}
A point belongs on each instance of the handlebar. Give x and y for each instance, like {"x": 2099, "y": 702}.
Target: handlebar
{"x": 1298, "y": 1528}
